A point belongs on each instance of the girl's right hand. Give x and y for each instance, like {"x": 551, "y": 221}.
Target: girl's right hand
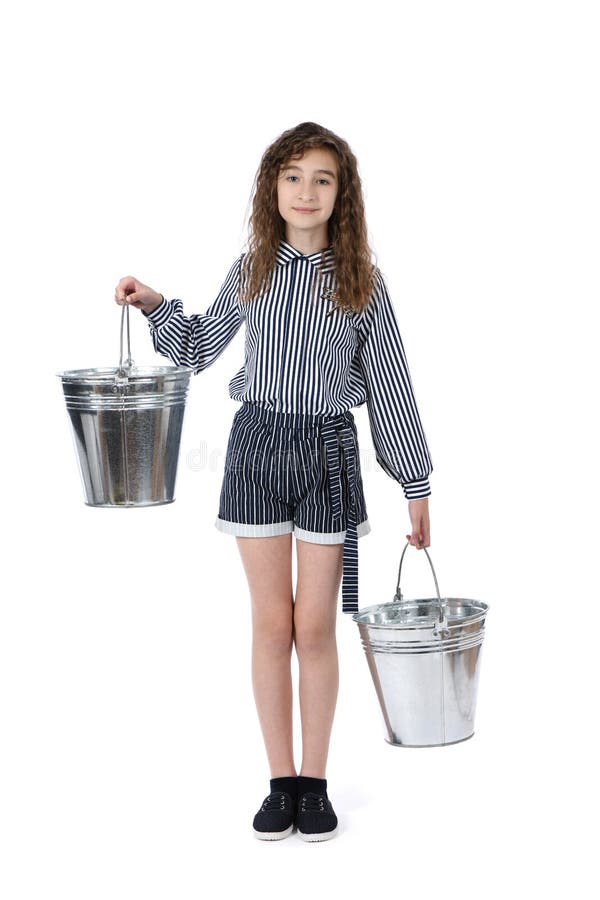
{"x": 130, "y": 290}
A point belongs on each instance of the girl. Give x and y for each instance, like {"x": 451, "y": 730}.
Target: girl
{"x": 321, "y": 337}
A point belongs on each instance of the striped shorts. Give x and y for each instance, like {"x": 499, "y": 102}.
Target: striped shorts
{"x": 300, "y": 473}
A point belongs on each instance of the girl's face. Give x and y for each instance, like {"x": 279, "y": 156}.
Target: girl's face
{"x": 306, "y": 192}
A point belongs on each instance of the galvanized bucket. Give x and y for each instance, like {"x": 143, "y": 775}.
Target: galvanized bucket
{"x": 126, "y": 425}
{"x": 424, "y": 657}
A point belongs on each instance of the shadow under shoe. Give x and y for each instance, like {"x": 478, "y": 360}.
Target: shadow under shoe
{"x": 275, "y": 818}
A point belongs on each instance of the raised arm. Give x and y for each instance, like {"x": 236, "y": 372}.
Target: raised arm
{"x": 196, "y": 341}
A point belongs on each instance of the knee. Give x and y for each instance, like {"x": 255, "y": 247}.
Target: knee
{"x": 273, "y": 636}
{"x": 312, "y": 640}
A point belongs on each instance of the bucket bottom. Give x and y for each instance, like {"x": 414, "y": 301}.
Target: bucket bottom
{"x": 129, "y": 505}
{"x": 442, "y": 744}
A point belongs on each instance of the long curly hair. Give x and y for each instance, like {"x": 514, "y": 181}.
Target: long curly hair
{"x": 350, "y": 286}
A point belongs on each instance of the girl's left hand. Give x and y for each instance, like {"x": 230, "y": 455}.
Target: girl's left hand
{"x": 418, "y": 511}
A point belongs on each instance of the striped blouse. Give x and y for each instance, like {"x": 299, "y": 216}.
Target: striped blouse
{"x": 299, "y": 358}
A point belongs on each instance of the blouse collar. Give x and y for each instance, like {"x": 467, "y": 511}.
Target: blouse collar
{"x": 285, "y": 253}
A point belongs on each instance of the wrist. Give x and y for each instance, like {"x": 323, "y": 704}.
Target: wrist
{"x": 154, "y": 305}
{"x": 162, "y": 314}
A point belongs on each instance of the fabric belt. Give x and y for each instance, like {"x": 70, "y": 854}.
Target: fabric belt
{"x": 337, "y": 433}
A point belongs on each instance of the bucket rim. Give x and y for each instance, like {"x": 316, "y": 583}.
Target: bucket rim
{"x": 104, "y": 373}
{"x": 482, "y": 609}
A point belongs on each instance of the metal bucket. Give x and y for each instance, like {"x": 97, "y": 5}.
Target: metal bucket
{"x": 126, "y": 424}
{"x": 424, "y": 657}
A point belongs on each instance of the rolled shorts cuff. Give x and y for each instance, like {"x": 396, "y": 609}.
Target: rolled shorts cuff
{"x": 335, "y": 537}
{"x": 242, "y": 529}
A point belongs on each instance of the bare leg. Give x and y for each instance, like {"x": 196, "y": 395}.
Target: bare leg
{"x": 268, "y": 565}
{"x": 319, "y": 577}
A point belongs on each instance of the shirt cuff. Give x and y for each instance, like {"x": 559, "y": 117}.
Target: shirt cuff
{"x": 416, "y": 490}
{"x": 161, "y": 314}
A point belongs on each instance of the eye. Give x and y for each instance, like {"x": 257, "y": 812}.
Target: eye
{"x": 324, "y": 180}
{"x": 291, "y": 176}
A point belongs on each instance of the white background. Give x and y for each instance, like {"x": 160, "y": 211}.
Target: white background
{"x": 131, "y": 760}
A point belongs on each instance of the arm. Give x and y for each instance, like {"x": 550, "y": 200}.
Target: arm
{"x": 398, "y": 438}
{"x": 196, "y": 341}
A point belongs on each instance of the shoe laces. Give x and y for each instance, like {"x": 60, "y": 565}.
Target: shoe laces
{"x": 313, "y": 802}
{"x": 275, "y": 800}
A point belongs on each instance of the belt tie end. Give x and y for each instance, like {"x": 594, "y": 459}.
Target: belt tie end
{"x": 350, "y": 559}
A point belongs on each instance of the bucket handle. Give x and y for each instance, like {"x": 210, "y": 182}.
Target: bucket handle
{"x": 124, "y": 369}
{"x": 442, "y": 625}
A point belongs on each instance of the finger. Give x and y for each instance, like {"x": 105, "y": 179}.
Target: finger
{"x": 416, "y": 538}
{"x": 120, "y": 290}
{"x": 125, "y": 285}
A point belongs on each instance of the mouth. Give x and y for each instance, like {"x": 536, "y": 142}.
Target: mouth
{"x": 303, "y": 210}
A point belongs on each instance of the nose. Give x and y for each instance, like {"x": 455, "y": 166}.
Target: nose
{"x": 305, "y": 193}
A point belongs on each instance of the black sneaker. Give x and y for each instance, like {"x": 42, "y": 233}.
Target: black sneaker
{"x": 275, "y": 818}
{"x": 315, "y": 819}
